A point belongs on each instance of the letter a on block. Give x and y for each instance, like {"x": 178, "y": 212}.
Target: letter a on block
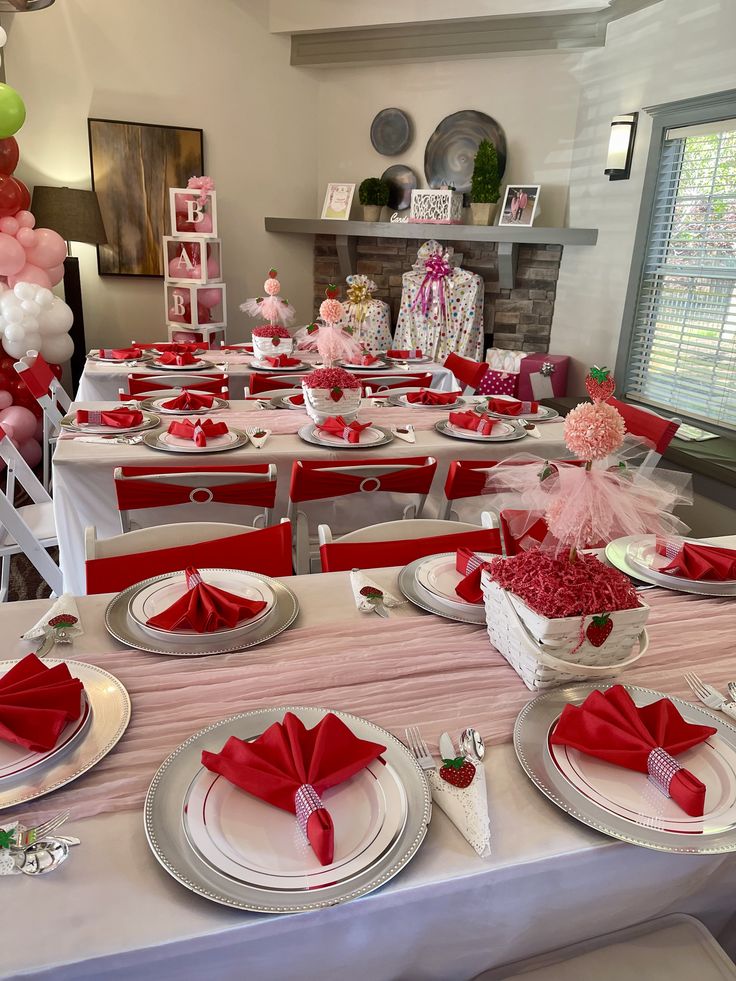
{"x": 184, "y": 260}
{"x": 195, "y": 210}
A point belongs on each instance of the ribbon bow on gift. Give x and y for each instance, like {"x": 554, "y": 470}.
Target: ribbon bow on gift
{"x": 205, "y": 608}
{"x": 511, "y": 407}
{"x": 289, "y": 766}
{"x": 699, "y": 562}
{"x": 115, "y": 418}
{"x": 426, "y": 396}
{"x": 404, "y": 355}
{"x": 471, "y": 566}
{"x": 337, "y": 426}
{"x": 180, "y": 359}
{"x": 609, "y": 726}
{"x": 189, "y": 401}
{"x": 37, "y": 702}
{"x": 477, "y": 422}
{"x": 359, "y": 296}
{"x": 281, "y": 360}
{"x": 199, "y": 431}
{"x": 121, "y": 353}
{"x": 434, "y": 285}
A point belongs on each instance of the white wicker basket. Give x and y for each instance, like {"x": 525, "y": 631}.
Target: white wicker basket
{"x": 264, "y": 347}
{"x": 540, "y": 649}
{"x": 320, "y": 405}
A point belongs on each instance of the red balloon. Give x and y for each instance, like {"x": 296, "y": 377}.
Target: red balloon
{"x": 26, "y": 202}
{"x": 6, "y": 363}
{"x": 14, "y": 196}
{"x": 204, "y": 316}
{"x": 9, "y": 154}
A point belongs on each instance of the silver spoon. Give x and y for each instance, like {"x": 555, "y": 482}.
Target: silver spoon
{"x": 471, "y": 743}
{"x": 732, "y": 690}
{"x": 44, "y": 856}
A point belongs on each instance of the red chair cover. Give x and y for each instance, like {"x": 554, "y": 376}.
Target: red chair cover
{"x": 267, "y": 383}
{"x": 141, "y": 384}
{"x": 377, "y": 384}
{"x": 653, "y": 428}
{"x": 468, "y": 372}
{"x": 267, "y": 551}
{"x": 517, "y": 534}
{"x": 134, "y": 494}
{"x": 38, "y": 377}
{"x": 314, "y": 480}
{"x": 343, "y": 556}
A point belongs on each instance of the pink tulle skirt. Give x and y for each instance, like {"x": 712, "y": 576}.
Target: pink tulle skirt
{"x": 331, "y": 342}
{"x": 271, "y": 308}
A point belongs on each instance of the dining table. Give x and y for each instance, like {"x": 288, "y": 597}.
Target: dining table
{"x": 111, "y": 911}
{"x": 84, "y": 493}
{"x": 101, "y": 381}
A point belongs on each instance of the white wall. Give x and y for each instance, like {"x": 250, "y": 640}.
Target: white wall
{"x": 174, "y": 62}
{"x": 675, "y": 50}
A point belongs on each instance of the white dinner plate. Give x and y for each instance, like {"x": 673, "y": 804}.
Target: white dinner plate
{"x": 258, "y": 844}
{"x": 16, "y": 761}
{"x": 175, "y": 444}
{"x": 195, "y": 365}
{"x": 69, "y": 423}
{"x": 423, "y": 360}
{"x": 502, "y": 432}
{"x": 616, "y": 553}
{"x": 543, "y": 413}
{"x": 403, "y": 401}
{"x": 142, "y": 357}
{"x": 438, "y": 575}
{"x": 379, "y": 365}
{"x": 642, "y": 553}
{"x": 158, "y": 596}
{"x": 198, "y": 350}
{"x": 367, "y": 437}
{"x": 286, "y": 401}
{"x": 158, "y": 406}
{"x": 265, "y": 366}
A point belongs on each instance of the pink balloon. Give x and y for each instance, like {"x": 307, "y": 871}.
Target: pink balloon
{"x": 9, "y": 225}
{"x": 213, "y": 267}
{"x": 12, "y": 255}
{"x": 55, "y": 274}
{"x": 25, "y": 219}
{"x": 209, "y": 298}
{"x": 179, "y": 270}
{"x": 30, "y": 450}
{"x": 26, "y": 237}
{"x": 6, "y": 400}
{"x": 38, "y": 434}
{"x": 49, "y": 249}
{"x": 30, "y": 274}
{"x": 18, "y": 422}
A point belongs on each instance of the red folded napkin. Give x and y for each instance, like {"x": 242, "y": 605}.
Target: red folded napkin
{"x": 425, "y": 396}
{"x": 404, "y": 355}
{"x": 337, "y": 426}
{"x": 366, "y": 359}
{"x": 511, "y": 407}
{"x": 37, "y": 702}
{"x": 609, "y": 726}
{"x": 475, "y": 421}
{"x": 289, "y": 766}
{"x": 115, "y": 418}
{"x": 189, "y": 401}
{"x": 471, "y": 566}
{"x": 177, "y": 347}
{"x": 205, "y": 608}
{"x": 710, "y": 562}
{"x": 281, "y": 360}
{"x": 181, "y": 358}
{"x": 121, "y": 353}
{"x": 199, "y": 431}
{"x": 296, "y": 399}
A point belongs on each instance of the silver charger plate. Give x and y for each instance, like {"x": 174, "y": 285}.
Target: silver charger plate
{"x": 152, "y": 440}
{"x": 518, "y": 433}
{"x": 395, "y": 400}
{"x": 109, "y": 716}
{"x": 162, "y": 350}
{"x": 531, "y": 733}
{"x": 307, "y": 433}
{"x": 198, "y": 365}
{"x": 450, "y": 151}
{"x": 260, "y": 366}
{"x": 282, "y": 401}
{"x": 150, "y": 421}
{"x": 425, "y": 359}
{"x": 123, "y": 628}
{"x": 391, "y": 132}
{"x": 616, "y": 554}
{"x": 218, "y": 403}
{"x": 427, "y": 602}
{"x": 545, "y": 414}
{"x": 141, "y": 359}
{"x": 380, "y": 365}
{"x": 167, "y": 837}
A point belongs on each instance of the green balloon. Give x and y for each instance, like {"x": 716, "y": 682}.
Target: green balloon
{"x": 12, "y": 111}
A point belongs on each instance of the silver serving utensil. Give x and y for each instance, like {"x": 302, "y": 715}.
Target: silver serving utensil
{"x": 43, "y": 856}
{"x": 31, "y": 835}
{"x": 471, "y": 744}
{"x": 49, "y": 639}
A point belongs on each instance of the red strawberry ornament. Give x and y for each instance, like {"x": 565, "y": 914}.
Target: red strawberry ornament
{"x": 336, "y": 393}
{"x": 600, "y": 384}
{"x": 459, "y": 772}
{"x": 272, "y": 274}
{"x": 332, "y": 292}
{"x": 371, "y": 593}
{"x": 598, "y": 629}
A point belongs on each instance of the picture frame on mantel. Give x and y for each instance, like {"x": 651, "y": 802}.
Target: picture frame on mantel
{"x": 338, "y": 201}
{"x": 133, "y": 166}
{"x": 520, "y": 205}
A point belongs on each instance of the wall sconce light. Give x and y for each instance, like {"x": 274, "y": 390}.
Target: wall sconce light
{"x": 621, "y": 147}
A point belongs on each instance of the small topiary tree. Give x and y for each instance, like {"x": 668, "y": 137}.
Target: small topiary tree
{"x": 485, "y": 186}
{"x": 373, "y": 191}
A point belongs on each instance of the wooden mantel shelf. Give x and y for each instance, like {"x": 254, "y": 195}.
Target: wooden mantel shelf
{"x": 509, "y": 238}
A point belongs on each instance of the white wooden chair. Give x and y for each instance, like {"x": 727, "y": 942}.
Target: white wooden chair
{"x": 36, "y": 374}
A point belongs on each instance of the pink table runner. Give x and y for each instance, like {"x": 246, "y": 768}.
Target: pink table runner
{"x": 283, "y": 422}
{"x": 421, "y": 670}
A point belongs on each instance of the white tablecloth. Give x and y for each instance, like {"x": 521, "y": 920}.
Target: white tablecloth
{"x": 84, "y": 492}
{"x": 112, "y": 913}
{"x": 101, "y": 382}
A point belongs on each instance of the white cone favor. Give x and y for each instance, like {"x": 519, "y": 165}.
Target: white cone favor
{"x": 466, "y": 807}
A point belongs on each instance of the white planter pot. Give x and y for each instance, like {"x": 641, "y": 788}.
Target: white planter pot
{"x": 543, "y": 652}
{"x": 320, "y": 405}
{"x": 265, "y": 347}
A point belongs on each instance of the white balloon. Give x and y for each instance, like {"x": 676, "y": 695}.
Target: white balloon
{"x": 44, "y": 297}
{"x": 16, "y": 349}
{"x": 8, "y": 300}
{"x": 31, "y": 307}
{"x": 31, "y": 324}
{"x": 55, "y": 319}
{"x": 14, "y": 315}
{"x": 25, "y": 291}
{"x": 57, "y": 348}
{"x": 14, "y": 332}
{"x": 3, "y": 37}
{"x": 33, "y": 341}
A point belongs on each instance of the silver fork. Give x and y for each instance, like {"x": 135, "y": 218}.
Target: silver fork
{"x": 419, "y": 748}
{"x": 709, "y": 695}
{"x": 31, "y": 835}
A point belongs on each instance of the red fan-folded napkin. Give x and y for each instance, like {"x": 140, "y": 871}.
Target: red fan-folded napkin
{"x": 367, "y": 359}
{"x": 180, "y": 358}
{"x": 349, "y": 431}
{"x": 404, "y": 355}
{"x": 289, "y": 766}
{"x": 115, "y": 418}
{"x": 296, "y": 399}
{"x": 475, "y": 421}
{"x": 609, "y": 726}
{"x": 189, "y": 401}
{"x": 471, "y": 566}
{"x": 37, "y": 702}
{"x": 198, "y": 431}
{"x": 205, "y": 608}
{"x": 511, "y": 407}
{"x": 691, "y": 561}
{"x": 281, "y": 360}
{"x": 121, "y": 353}
{"x": 425, "y": 396}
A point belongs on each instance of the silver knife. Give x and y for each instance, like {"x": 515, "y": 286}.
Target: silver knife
{"x": 447, "y": 747}
{"x": 380, "y": 609}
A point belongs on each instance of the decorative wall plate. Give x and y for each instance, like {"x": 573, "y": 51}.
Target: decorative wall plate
{"x": 451, "y": 149}
{"x": 401, "y": 182}
{"x": 391, "y": 132}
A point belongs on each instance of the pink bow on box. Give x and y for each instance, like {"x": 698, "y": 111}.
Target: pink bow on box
{"x": 198, "y": 431}
{"x": 474, "y": 421}
{"x": 471, "y": 566}
{"x": 337, "y": 426}
{"x": 437, "y": 270}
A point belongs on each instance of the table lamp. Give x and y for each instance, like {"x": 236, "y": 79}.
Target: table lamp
{"x": 75, "y": 215}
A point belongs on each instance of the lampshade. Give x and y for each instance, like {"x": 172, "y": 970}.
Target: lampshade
{"x": 621, "y": 147}
{"x": 74, "y": 214}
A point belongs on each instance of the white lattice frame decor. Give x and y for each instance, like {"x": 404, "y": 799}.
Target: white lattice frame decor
{"x": 436, "y": 207}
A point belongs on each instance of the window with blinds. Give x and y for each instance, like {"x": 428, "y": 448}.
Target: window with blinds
{"x": 683, "y": 346}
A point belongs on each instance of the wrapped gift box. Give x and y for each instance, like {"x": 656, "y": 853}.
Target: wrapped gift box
{"x": 543, "y": 376}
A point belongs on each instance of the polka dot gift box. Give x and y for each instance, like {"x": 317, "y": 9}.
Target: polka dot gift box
{"x": 502, "y": 377}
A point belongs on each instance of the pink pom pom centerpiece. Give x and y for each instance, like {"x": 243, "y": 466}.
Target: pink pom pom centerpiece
{"x": 331, "y": 378}
{"x": 331, "y": 311}
{"x": 594, "y": 430}
{"x": 270, "y": 330}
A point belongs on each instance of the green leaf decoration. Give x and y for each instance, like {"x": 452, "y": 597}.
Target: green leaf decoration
{"x": 599, "y": 374}
{"x": 7, "y": 838}
{"x": 454, "y": 764}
